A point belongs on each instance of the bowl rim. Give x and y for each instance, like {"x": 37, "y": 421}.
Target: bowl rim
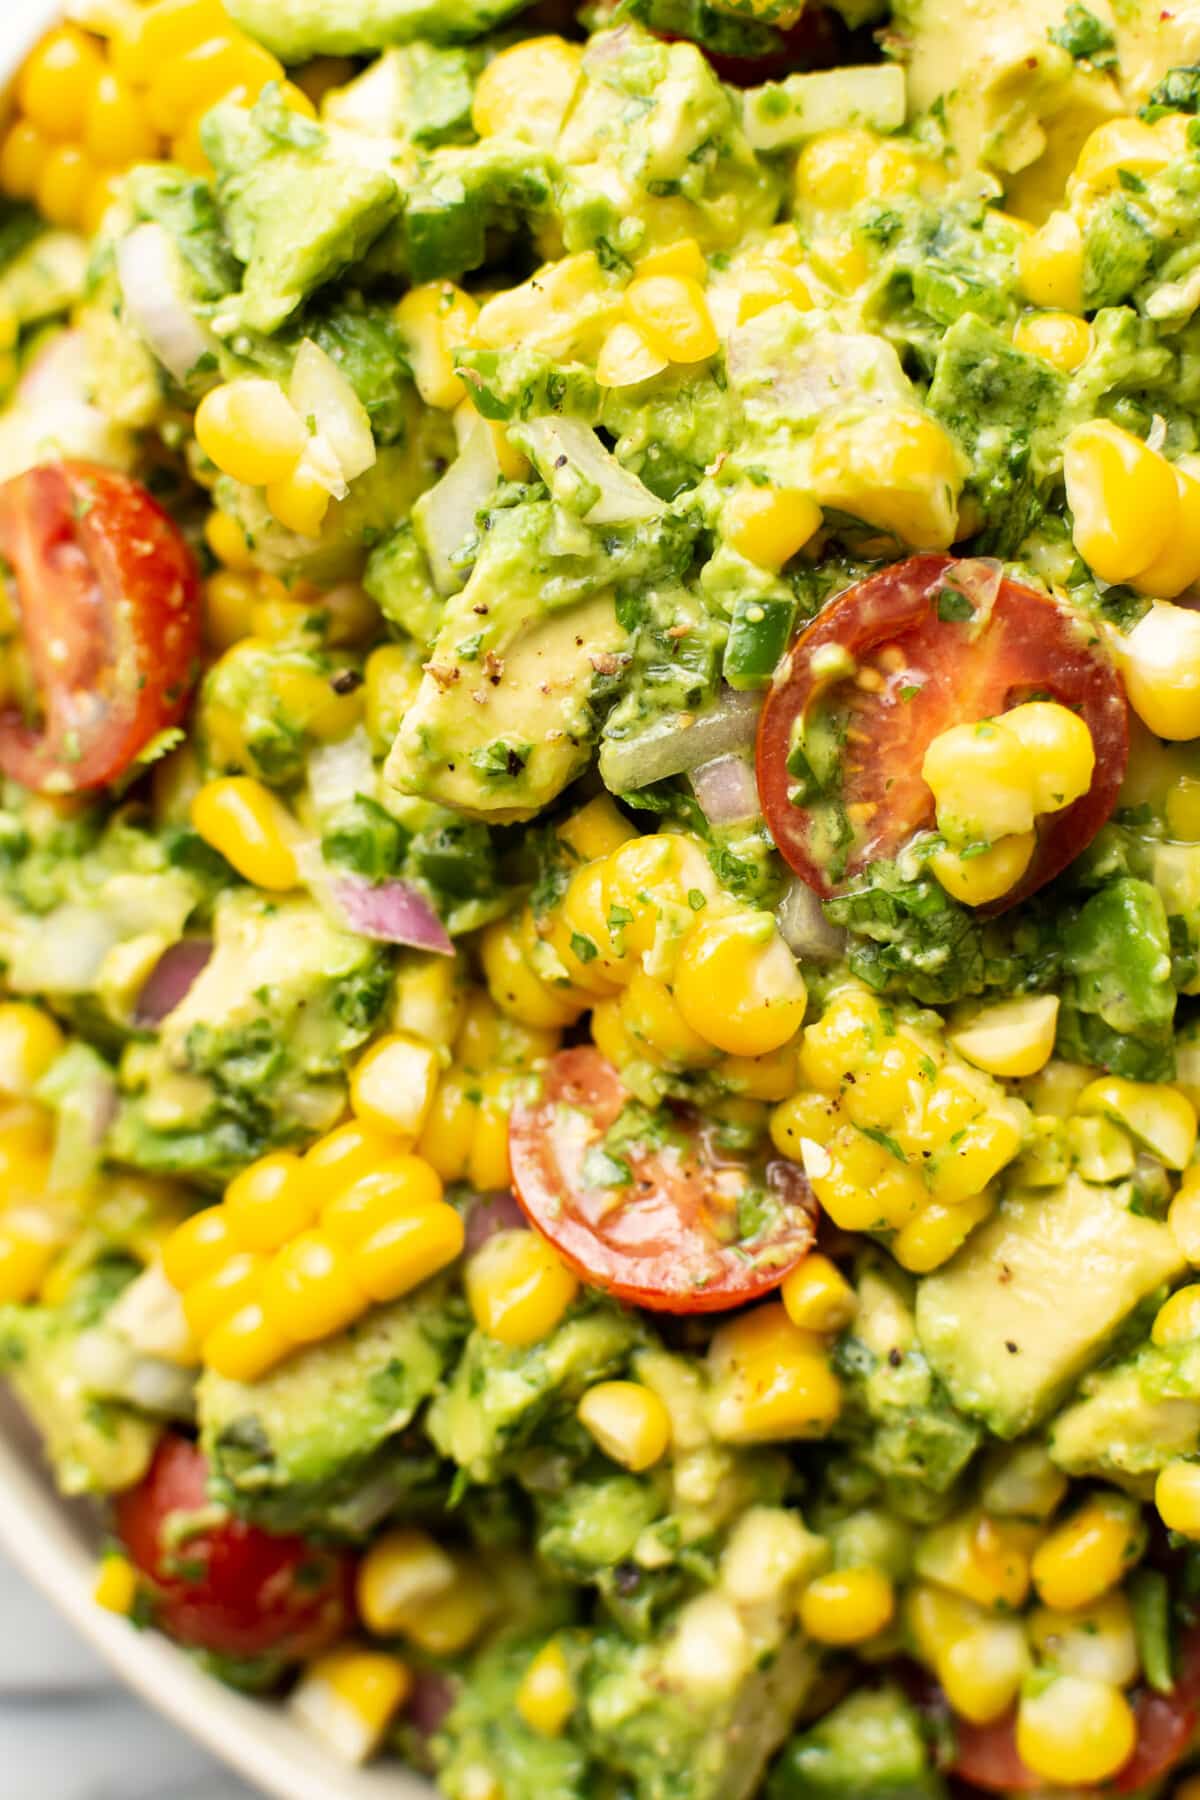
{"x": 54, "y": 1541}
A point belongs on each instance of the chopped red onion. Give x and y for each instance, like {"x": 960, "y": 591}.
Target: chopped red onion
{"x": 726, "y": 790}
{"x": 170, "y": 980}
{"x": 395, "y": 912}
{"x": 804, "y": 927}
{"x": 979, "y": 578}
{"x": 430, "y": 1698}
{"x": 488, "y": 1214}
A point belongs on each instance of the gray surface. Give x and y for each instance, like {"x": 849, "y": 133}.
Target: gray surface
{"x": 68, "y": 1732}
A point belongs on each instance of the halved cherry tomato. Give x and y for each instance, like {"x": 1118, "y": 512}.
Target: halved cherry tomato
{"x": 888, "y": 665}
{"x": 987, "y": 1757}
{"x": 223, "y": 1585}
{"x": 817, "y": 40}
{"x": 109, "y": 600}
{"x": 665, "y": 1220}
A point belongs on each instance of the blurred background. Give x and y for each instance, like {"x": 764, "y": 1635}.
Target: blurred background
{"x": 69, "y": 1732}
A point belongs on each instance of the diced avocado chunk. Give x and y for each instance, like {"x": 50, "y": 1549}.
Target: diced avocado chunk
{"x": 498, "y": 1399}
{"x": 870, "y": 1747}
{"x": 1132, "y": 1418}
{"x": 274, "y": 167}
{"x": 318, "y": 1442}
{"x": 298, "y": 29}
{"x": 1004, "y": 1330}
{"x": 94, "y": 1446}
{"x": 1119, "y": 1000}
{"x": 485, "y": 1730}
{"x": 897, "y": 1415}
{"x": 255, "y": 1053}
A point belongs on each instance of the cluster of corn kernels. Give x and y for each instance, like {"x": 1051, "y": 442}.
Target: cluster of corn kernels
{"x": 645, "y": 936}
{"x": 89, "y": 106}
{"x": 303, "y": 446}
{"x": 465, "y": 1131}
{"x": 991, "y": 780}
{"x": 894, "y": 1134}
{"x": 241, "y": 600}
{"x": 33, "y": 1228}
{"x": 300, "y": 1247}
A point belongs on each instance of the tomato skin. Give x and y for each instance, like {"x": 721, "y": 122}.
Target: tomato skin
{"x": 934, "y": 674}
{"x": 659, "y": 1249}
{"x": 110, "y": 602}
{"x": 229, "y": 1588}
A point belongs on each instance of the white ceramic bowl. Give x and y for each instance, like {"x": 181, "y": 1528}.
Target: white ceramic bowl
{"x": 55, "y": 1542}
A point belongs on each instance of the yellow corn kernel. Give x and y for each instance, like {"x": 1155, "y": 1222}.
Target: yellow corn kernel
{"x": 817, "y": 1296}
{"x": 57, "y": 81}
{"x": 230, "y": 600}
{"x": 833, "y": 169}
{"x": 245, "y": 1345}
{"x": 546, "y": 1696}
{"x": 401, "y": 1254}
{"x": 1088, "y": 1553}
{"x": 144, "y": 38}
{"x": 767, "y": 525}
{"x": 62, "y": 185}
{"x": 973, "y": 1154}
{"x": 580, "y": 935}
{"x": 391, "y": 681}
{"x": 1012, "y": 1038}
{"x": 1123, "y": 499}
{"x": 983, "y": 780}
{"x": 770, "y": 1380}
{"x": 1178, "y": 1319}
{"x": 526, "y": 89}
{"x": 402, "y": 1572}
{"x": 847, "y": 1606}
{"x": 1160, "y": 661}
{"x": 764, "y": 281}
{"x": 1098, "y": 1642}
{"x": 1177, "y": 1497}
{"x": 308, "y": 1291}
{"x": 1182, "y": 809}
{"x": 195, "y": 79}
{"x": 392, "y": 1086}
{"x": 1159, "y": 1117}
{"x": 349, "y": 1696}
{"x": 436, "y": 320}
{"x": 596, "y": 830}
{"x": 1059, "y": 338}
{"x": 652, "y": 1018}
{"x": 518, "y": 1288}
{"x": 978, "y": 880}
{"x": 985, "y": 1560}
{"x": 446, "y": 1139}
{"x": 198, "y": 1247}
{"x": 626, "y": 358}
{"x": 116, "y": 1583}
{"x": 849, "y": 1033}
{"x": 738, "y": 985}
{"x": 1050, "y": 264}
{"x": 515, "y": 987}
{"x": 22, "y": 156}
{"x": 299, "y": 500}
{"x": 861, "y": 1184}
{"x": 270, "y": 1202}
{"x": 770, "y": 1077}
{"x": 116, "y": 130}
{"x": 187, "y": 149}
{"x": 25, "y": 1257}
{"x": 672, "y": 314}
{"x": 1060, "y": 747}
{"x": 979, "y": 1660}
{"x": 455, "y": 1618}
{"x": 1120, "y": 144}
{"x": 29, "y": 1042}
{"x": 683, "y": 257}
{"x": 1178, "y": 565}
{"x": 102, "y": 190}
{"x": 251, "y": 828}
{"x": 402, "y": 1188}
{"x": 937, "y": 1231}
{"x": 250, "y": 430}
{"x": 349, "y": 1152}
{"x": 1075, "y": 1731}
{"x": 610, "y": 1036}
{"x": 654, "y": 880}
{"x": 1183, "y": 1218}
{"x": 628, "y": 1421}
{"x": 895, "y": 468}
{"x": 234, "y": 1283}
{"x": 805, "y": 1118}
{"x": 487, "y": 1164}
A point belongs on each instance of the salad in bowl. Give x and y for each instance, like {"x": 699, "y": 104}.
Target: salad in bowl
{"x": 600, "y": 876}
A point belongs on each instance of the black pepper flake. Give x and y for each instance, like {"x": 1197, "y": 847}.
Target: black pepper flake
{"x": 1010, "y": 1347}
{"x": 345, "y": 681}
{"x": 894, "y": 1357}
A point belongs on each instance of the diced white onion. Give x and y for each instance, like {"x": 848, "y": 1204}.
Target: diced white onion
{"x": 676, "y": 744}
{"x": 153, "y": 288}
{"x": 321, "y": 393}
{"x": 804, "y": 927}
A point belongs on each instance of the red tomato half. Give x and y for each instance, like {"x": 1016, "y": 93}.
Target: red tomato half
{"x": 110, "y": 609}
{"x": 691, "y": 1229}
{"x": 987, "y": 1757}
{"x": 917, "y": 669}
{"x": 227, "y": 1586}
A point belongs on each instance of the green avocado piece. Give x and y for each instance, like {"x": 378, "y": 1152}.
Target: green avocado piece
{"x": 321, "y": 1441}
{"x": 256, "y": 1052}
{"x": 1002, "y": 1329}
{"x": 870, "y": 1746}
{"x": 897, "y": 1416}
{"x": 298, "y": 29}
{"x": 462, "y": 196}
{"x": 1132, "y": 1418}
{"x": 485, "y": 1730}
{"x": 498, "y": 1399}
{"x": 274, "y": 167}
{"x": 94, "y": 1445}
